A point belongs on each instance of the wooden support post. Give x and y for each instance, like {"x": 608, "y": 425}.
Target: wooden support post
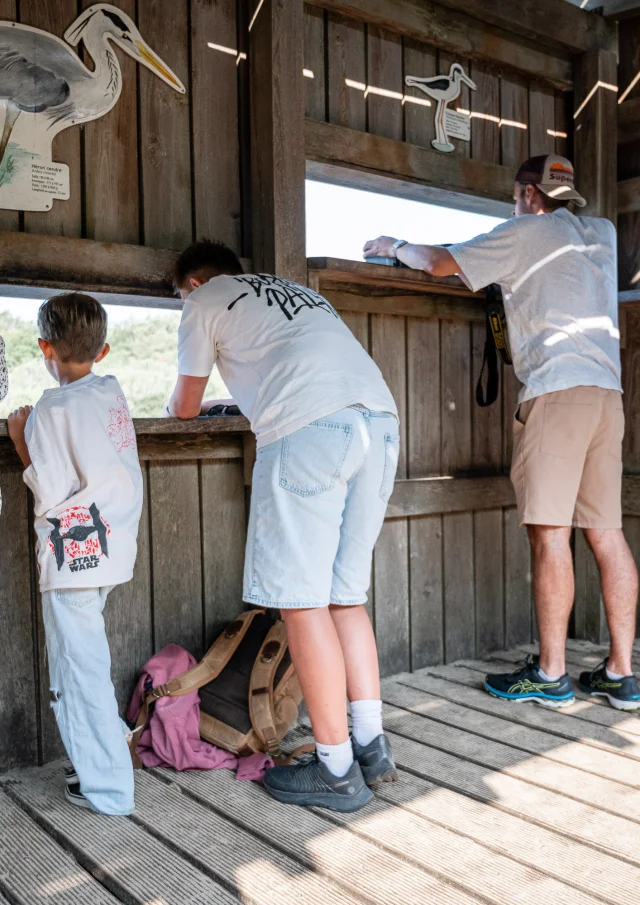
{"x": 277, "y": 137}
{"x": 595, "y": 139}
{"x": 595, "y": 135}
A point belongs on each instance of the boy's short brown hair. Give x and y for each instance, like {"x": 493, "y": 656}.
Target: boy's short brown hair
{"x": 75, "y": 324}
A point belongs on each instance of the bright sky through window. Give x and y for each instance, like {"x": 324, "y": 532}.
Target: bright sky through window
{"x": 340, "y": 220}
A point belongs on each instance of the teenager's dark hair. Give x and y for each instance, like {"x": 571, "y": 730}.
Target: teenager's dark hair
{"x": 75, "y": 324}
{"x": 214, "y": 258}
{"x": 530, "y": 173}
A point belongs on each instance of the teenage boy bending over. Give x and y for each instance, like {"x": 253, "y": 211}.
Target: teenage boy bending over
{"x": 79, "y": 450}
{"x": 327, "y": 436}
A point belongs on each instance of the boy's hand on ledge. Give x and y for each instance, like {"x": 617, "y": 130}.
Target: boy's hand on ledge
{"x": 16, "y": 424}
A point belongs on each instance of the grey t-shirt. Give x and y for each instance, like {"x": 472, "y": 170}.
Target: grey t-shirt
{"x": 558, "y": 276}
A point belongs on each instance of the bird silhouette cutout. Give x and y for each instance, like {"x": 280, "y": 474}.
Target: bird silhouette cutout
{"x": 45, "y": 87}
{"x": 443, "y": 89}
{"x": 79, "y": 534}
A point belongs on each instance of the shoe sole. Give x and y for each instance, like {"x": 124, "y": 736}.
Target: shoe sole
{"x": 79, "y": 802}
{"x": 537, "y": 699}
{"x": 616, "y": 703}
{"x": 328, "y": 800}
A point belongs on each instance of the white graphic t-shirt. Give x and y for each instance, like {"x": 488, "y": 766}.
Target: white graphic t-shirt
{"x": 559, "y": 282}
{"x": 285, "y": 354}
{"x": 86, "y": 479}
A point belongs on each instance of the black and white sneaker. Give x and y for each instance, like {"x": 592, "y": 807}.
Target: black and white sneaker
{"x": 623, "y": 694}
{"x": 526, "y": 684}
{"x": 376, "y": 761}
{"x": 310, "y": 784}
{"x": 70, "y": 776}
{"x": 74, "y": 796}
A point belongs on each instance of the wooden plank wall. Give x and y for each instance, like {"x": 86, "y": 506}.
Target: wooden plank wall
{"x": 355, "y": 78}
{"x": 187, "y": 585}
{"x": 161, "y": 168}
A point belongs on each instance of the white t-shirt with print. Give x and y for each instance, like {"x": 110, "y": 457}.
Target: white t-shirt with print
{"x": 284, "y": 353}
{"x": 558, "y": 275}
{"x": 87, "y": 483}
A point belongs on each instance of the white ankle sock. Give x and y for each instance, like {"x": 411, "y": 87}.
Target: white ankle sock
{"x": 366, "y": 720}
{"x": 613, "y": 675}
{"x": 336, "y": 758}
{"x": 546, "y": 677}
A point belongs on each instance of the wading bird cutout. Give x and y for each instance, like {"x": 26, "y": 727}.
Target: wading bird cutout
{"x": 45, "y": 88}
{"x": 444, "y": 89}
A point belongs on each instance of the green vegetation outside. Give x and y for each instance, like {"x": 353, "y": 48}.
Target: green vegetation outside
{"x": 143, "y": 358}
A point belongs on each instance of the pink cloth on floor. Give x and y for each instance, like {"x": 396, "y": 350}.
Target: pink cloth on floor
{"x": 171, "y": 738}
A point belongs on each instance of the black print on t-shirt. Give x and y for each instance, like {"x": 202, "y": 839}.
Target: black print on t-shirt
{"x": 289, "y": 297}
{"x": 76, "y": 537}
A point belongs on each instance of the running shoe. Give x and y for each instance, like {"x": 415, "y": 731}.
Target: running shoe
{"x": 74, "y": 796}
{"x": 526, "y": 684}
{"x": 623, "y": 694}
{"x": 376, "y": 760}
{"x": 310, "y": 784}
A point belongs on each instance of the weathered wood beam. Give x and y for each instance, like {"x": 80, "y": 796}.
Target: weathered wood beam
{"x": 620, "y": 9}
{"x": 595, "y": 124}
{"x": 629, "y": 195}
{"x": 629, "y": 121}
{"x": 136, "y": 274}
{"x": 176, "y": 429}
{"x": 429, "y": 305}
{"x": 544, "y": 21}
{"x": 367, "y": 153}
{"x": 277, "y": 138}
{"x": 378, "y": 278}
{"x": 431, "y": 496}
{"x": 453, "y": 31}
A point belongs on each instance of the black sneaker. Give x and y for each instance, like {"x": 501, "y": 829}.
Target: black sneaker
{"x": 70, "y": 776}
{"x": 376, "y": 760}
{"x": 74, "y": 796}
{"x": 311, "y": 784}
{"x": 526, "y": 684}
{"x": 623, "y": 694}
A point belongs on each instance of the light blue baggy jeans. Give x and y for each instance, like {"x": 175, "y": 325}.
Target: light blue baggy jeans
{"x": 83, "y": 697}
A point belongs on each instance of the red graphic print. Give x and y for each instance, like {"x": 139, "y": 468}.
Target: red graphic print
{"x": 120, "y": 429}
{"x": 77, "y": 536}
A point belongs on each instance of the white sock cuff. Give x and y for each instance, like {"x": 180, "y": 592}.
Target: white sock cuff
{"x": 366, "y": 708}
{"x": 336, "y": 758}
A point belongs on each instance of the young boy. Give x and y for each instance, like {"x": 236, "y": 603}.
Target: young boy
{"x": 78, "y": 447}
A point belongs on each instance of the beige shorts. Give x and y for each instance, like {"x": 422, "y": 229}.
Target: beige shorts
{"x": 567, "y": 459}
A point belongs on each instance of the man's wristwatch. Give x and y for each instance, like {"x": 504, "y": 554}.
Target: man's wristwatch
{"x": 398, "y": 244}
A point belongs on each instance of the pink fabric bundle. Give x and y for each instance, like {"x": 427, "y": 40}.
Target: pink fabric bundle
{"x": 171, "y": 738}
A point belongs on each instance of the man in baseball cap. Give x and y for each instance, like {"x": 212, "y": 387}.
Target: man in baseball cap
{"x": 558, "y": 277}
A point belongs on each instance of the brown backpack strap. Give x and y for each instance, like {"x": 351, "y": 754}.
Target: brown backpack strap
{"x": 261, "y": 708}
{"x": 209, "y": 668}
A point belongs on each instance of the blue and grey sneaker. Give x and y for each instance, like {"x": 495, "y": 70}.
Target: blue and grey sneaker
{"x": 376, "y": 760}
{"x": 526, "y": 684}
{"x": 310, "y": 784}
{"x": 623, "y": 694}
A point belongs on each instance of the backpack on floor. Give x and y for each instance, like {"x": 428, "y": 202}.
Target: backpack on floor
{"x": 249, "y": 692}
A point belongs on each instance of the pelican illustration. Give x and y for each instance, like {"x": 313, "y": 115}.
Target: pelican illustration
{"x": 443, "y": 89}
{"x": 45, "y": 87}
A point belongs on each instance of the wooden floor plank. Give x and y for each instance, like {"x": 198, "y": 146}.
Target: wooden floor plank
{"x": 355, "y": 863}
{"x": 524, "y": 739}
{"x": 34, "y": 869}
{"x": 536, "y": 846}
{"x": 132, "y": 864}
{"x": 496, "y": 878}
{"x": 224, "y": 851}
{"x": 464, "y": 685}
{"x": 539, "y": 771}
{"x": 587, "y": 659}
{"x": 615, "y": 835}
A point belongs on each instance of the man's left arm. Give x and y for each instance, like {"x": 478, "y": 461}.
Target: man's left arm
{"x": 433, "y": 259}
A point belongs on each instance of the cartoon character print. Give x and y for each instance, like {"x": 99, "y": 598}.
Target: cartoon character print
{"x": 79, "y": 538}
{"x": 120, "y": 429}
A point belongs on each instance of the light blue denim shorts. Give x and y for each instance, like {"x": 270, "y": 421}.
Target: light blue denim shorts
{"x": 318, "y": 501}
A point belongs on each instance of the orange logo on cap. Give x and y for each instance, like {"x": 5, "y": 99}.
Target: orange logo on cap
{"x": 560, "y": 173}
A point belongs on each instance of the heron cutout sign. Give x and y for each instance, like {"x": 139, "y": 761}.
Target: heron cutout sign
{"x": 444, "y": 89}
{"x": 45, "y": 88}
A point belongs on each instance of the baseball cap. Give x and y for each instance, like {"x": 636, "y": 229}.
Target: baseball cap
{"x": 553, "y": 175}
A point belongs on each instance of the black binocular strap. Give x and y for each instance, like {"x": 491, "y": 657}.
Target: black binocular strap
{"x": 495, "y": 344}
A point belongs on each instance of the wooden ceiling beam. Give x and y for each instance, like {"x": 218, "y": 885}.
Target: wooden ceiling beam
{"x": 456, "y": 32}
{"x": 629, "y": 121}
